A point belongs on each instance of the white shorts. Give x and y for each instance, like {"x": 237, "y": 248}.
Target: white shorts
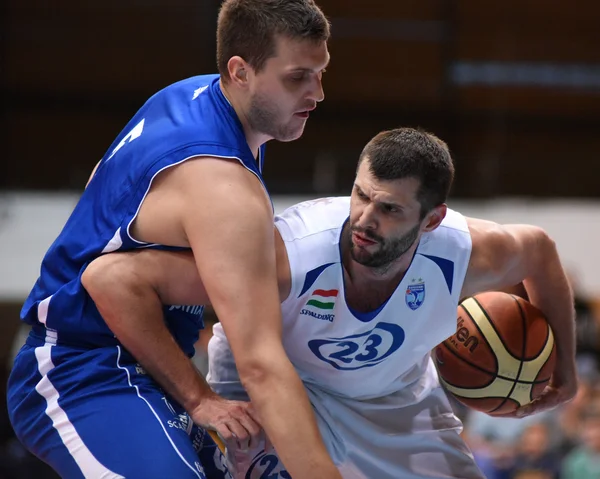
{"x": 380, "y": 438}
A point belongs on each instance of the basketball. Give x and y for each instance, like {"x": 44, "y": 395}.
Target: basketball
{"x": 501, "y": 356}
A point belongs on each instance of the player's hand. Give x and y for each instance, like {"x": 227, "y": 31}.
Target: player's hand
{"x": 561, "y": 389}
{"x": 234, "y": 421}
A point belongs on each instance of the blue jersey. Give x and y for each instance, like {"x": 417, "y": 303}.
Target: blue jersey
{"x": 187, "y": 119}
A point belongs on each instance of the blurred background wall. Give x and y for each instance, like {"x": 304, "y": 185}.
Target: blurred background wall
{"x": 513, "y": 87}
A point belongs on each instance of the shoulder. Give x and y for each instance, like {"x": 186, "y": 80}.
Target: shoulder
{"x": 449, "y": 246}
{"x": 480, "y": 228}
{"x": 206, "y": 175}
{"x": 189, "y": 86}
{"x": 451, "y": 238}
{"x": 313, "y": 217}
{"x": 190, "y": 106}
{"x": 500, "y": 257}
{"x": 187, "y": 119}
{"x": 489, "y": 240}
{"x": 455, "y": 221}
{"x": 311, "y": 233}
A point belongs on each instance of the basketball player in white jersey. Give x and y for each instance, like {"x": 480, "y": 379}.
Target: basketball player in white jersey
{"x": 369, "y": 285}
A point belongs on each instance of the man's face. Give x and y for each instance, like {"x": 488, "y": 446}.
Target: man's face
{"x": 287, "y": 88}
{"x": 384, "y": 218}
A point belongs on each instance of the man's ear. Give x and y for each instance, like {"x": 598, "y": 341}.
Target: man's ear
{"x": 434, "y": 218}
{"x": 238, "y": 71}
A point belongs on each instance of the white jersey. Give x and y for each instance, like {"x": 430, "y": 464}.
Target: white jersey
{"x": 368, "y": 375}
{"x": 371, "y": 355}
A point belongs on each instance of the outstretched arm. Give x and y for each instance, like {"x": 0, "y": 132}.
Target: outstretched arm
{"x": 505, "y": 255}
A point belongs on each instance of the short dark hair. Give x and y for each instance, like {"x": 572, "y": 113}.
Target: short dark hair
{"x": 248, "y": 28}
{"x": 410, "y": 153}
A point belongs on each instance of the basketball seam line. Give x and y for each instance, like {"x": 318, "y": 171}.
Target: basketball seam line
{"x": 483, "y": 370}
{"x": 470, "y": 364}
{"x": 525, "y": 338}
{"x": 527, "y": 358}
{"x": 514, "y": 385}
{"x": 483, "y": 337}
{"x": 493, "y": 325}
{"x": 521, "y": 360}
{"x": 543, "y": 346}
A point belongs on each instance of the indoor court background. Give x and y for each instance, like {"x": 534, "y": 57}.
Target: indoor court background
{"x": 513, "y": 87}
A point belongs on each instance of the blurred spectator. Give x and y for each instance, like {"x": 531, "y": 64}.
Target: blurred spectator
{"x": 588, "y": 332}
{"x": 535, "y": 454}
{"x": 495, "y": 440}
{"x": 570, "y": 416}
{"x": 583, "y": 462}
{"x": 531, "y": 475}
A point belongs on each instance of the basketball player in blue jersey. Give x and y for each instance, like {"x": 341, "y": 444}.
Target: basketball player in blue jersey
{"x": 369, "y": 285}
{"x": 94, "y": 397}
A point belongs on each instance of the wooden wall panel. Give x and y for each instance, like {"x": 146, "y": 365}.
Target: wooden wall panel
{"x": 83, "y": 47}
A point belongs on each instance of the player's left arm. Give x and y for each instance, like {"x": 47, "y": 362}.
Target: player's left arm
{"x": 505, "y": 255}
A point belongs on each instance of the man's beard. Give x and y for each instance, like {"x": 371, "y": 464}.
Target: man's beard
{"x": 389, "y": 250}
{"x": 264, "y": 117}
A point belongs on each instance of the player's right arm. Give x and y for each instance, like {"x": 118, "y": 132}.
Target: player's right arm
{"x": 229, "y": 226}
{"x": 221, "y": 211}
{"x": 507, "y": 255}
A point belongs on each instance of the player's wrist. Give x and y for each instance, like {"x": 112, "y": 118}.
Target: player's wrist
{"x": 198, "y": 399}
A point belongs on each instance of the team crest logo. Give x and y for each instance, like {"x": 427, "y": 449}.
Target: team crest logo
{"x": 415, "y": 294}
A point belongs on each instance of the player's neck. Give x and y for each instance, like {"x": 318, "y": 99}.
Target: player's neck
{"x": 253, "y": 138}
{"x": 392, "y": 273}
{"x": 368, "y": 288}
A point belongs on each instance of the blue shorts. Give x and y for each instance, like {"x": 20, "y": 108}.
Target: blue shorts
{"x": 95, "y": 413}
